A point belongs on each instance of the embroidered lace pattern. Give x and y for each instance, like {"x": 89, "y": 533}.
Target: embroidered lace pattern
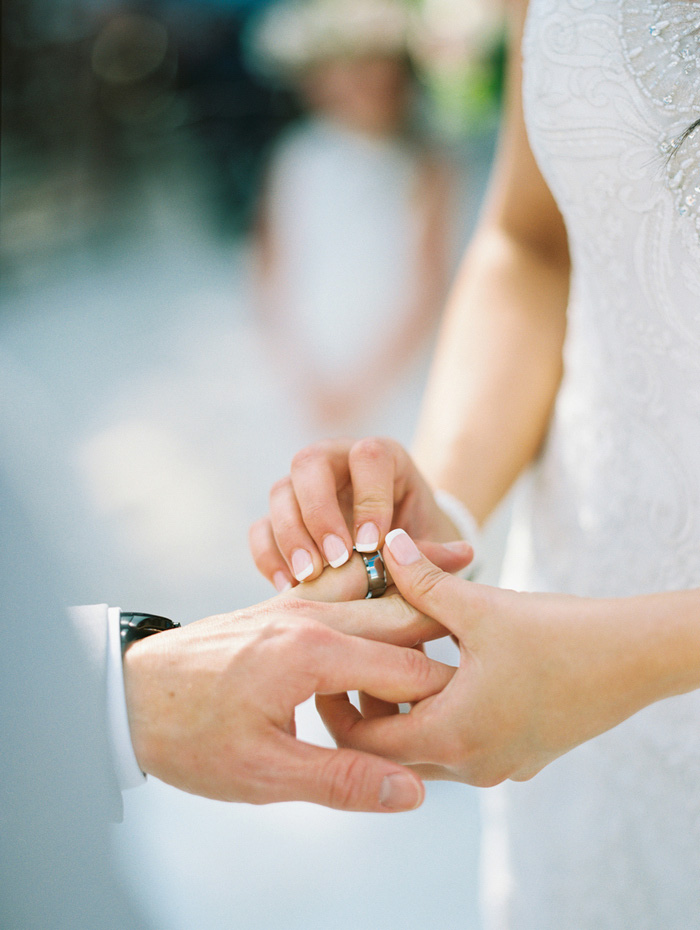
{"x": 608, "y": 837}
{"x": 661, "y": 44}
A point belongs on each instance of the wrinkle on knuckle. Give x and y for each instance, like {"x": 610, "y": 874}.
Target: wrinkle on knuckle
{"x": 286, "y": 527}
{"x": 405, "y": 613}
{"x": 428, "y": 583}
{"x": 348, "y": 774}
{"x": 315, "y": 512}
{"x": 418, "y": 669}
{"x": 372, "y": 499}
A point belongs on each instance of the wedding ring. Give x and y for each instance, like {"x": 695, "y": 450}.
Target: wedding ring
{"x": 376, "y": 573}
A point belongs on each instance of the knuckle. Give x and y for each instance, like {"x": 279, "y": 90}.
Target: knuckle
{"x": 372, "y": 449}
{"x": 305, "y": 632}
{"x": 308, "y": 456}
{"x": 315, "y": 513}
{"x": 280, "y": 487}
{"x": 348, "y": 776}
{"x": 428, "y": 583}
{"x": 402, "y": 612}
{"x": 372, "y": 499}
{"x": 417, "y": 668}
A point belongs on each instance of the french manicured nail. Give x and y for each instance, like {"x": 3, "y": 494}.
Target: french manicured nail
{"x": 402, "y": 547}
{"x": 367, "y": 538}
{"x": 281, "y": 582}
{"x": 400, "y": 793}
{"x": 335, "y": 551}
{"x": 302, "y": 565}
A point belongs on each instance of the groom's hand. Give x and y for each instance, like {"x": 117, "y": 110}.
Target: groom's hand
{"x": 341, "y": 493}
{"x": 211, "y": 705}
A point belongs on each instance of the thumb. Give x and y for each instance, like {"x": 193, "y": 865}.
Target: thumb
{"x": 427, "y": 587}
{"x": 346, "y": 779}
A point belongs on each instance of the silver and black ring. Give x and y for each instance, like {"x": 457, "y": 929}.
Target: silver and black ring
{"x": 376, "y": 573}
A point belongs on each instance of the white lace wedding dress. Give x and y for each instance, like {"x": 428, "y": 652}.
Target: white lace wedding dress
{"x": 608, "y": 837}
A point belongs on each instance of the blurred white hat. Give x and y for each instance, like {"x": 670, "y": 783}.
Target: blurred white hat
{"x": 295, "y": 34}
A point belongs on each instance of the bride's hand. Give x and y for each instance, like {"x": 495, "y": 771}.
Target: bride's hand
{"x": 341, "y": 493}
{"x": 539, "y": 674}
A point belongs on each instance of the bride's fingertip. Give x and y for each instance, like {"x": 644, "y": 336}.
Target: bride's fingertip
{"x": 281, "y": 582}
{"x": 367, "y": 539}
{"x": 402, "y": 547}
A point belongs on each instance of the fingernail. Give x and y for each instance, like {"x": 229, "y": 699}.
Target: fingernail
{"x": 367, "y": 538}
{"x": 459, "y": 545}
{"x": 281, "y": 582}
{"x": 400, "y": 793}
{"x": 301, "y": 564}
{"x": 335, "y": 551}
{"x": 402, "y": 547}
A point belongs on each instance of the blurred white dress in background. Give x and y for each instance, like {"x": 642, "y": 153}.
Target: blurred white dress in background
{"x": 342, "y": 214}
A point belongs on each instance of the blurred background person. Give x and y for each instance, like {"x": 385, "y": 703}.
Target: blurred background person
{"x": 357, "y": 217}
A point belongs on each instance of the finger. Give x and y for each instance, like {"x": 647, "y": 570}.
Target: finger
{"x": 290, "y": 533}
{"x": 267, "y": 557}
{"x": 450, "y": 557}
{"x": 371, "y": 707}
{"x": 347, "y": 583}
{"x": 339, "y": 662}
{"x": 317, "y": 474}
{"x": 344, "y": 779}
{"x": 372, "y": 464}
{"x": 389, "y": 619}
{"x": 451, "y": 601}
{"x": 400, "y": 737}
{"x": 340, "y": 709}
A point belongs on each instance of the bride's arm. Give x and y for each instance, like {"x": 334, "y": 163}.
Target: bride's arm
{"x": 499, "y": 358}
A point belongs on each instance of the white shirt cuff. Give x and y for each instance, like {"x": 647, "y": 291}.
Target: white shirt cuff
{"x": 466, "y": 524}
{"x": 129, "y": 774}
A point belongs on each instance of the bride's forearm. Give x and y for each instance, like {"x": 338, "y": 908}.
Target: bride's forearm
{"x": 499, "y": 360}
{"x": 496, "y": 371}
{"x": 663, "y": 641}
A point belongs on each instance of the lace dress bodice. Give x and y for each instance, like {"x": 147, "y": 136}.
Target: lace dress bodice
{"x": 609, "y": 836}
{"x": 608, "y": 84}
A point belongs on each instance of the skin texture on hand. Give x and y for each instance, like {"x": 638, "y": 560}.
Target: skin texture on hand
{"x": 539, "y": 673}
{"x": 341, "y": 493}
{"x": 211, "y": 705}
